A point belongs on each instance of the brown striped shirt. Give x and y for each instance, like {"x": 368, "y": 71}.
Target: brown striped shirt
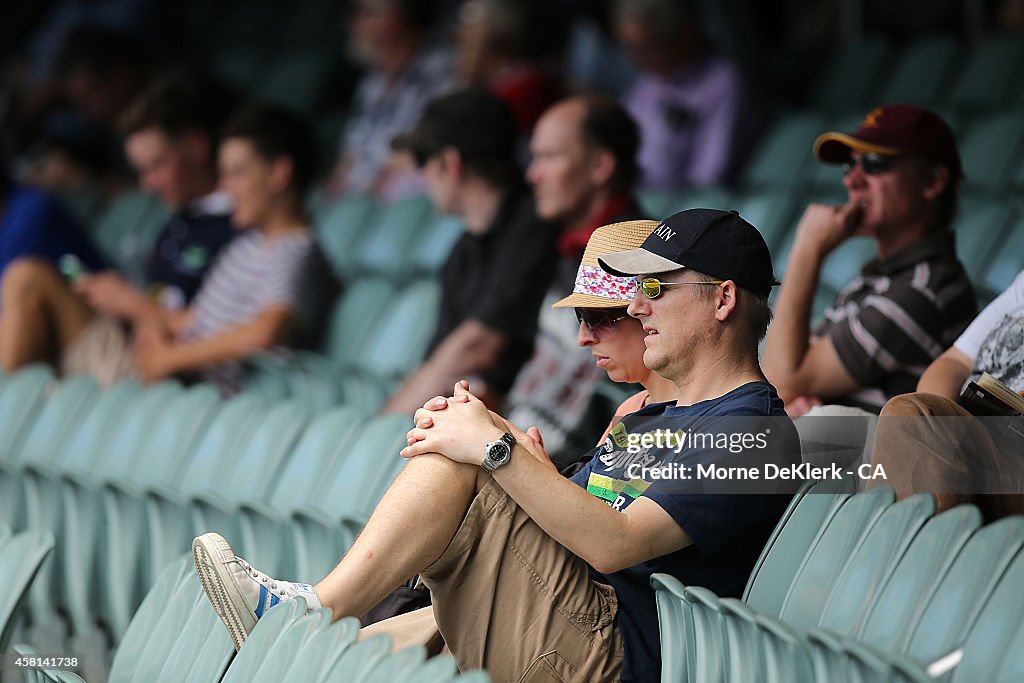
{"x": 897, "y": 316}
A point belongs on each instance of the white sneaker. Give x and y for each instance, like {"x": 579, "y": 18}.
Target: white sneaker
{"x": 241, "y": 594}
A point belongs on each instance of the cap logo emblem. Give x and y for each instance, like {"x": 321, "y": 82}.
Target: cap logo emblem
{"x": 871, "y": 120}
{"x": 664, "y": 232}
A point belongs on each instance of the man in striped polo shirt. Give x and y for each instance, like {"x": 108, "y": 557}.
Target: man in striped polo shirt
{"x": 901, "y": 171}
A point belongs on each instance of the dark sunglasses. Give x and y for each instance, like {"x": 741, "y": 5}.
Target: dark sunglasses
{"x": 871, "y": 163}
{"x": 600, "y": 319}
{"x": 651, "y": 286}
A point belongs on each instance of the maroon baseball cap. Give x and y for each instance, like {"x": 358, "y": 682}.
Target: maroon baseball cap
{"x": 895, "y": 130}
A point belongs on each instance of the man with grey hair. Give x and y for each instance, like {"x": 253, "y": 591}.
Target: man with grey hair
{"x": 696, "y": 115}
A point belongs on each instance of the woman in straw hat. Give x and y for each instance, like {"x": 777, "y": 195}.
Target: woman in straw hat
{"x": 615, "y": 338}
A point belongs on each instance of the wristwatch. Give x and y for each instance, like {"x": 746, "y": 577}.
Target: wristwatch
{"x": 498, "y": 452}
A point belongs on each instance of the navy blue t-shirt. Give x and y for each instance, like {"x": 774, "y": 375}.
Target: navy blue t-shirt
{"x": 183, "y": 252}
{"x": 728, "y": 529}
{"x": 34, "y": 224}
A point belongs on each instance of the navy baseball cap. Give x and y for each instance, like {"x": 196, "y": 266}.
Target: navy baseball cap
{"x": 714, "y": 242}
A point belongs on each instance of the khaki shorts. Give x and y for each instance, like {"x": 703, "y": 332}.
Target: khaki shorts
{"x": 102, "y": 351}
{"x": 510, "y": 599}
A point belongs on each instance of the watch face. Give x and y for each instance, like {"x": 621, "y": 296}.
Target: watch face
{"x": 498, "y": 452}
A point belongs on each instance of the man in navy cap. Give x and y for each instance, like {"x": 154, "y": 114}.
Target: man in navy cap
{"x": 901, "y": 170}
{"x": 534, "y": 575}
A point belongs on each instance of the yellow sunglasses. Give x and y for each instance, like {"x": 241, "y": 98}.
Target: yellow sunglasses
{"x": 651, "y": 287}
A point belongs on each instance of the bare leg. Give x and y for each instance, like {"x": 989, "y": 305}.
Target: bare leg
{"x": 39, "y": 314}
{"x": 409, "y": 530}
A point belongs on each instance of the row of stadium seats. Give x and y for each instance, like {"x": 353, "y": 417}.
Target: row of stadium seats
{"x": 934, "y": 71}
{"x": 176, "y": 636}
{"x": 124, "y": 478}
{"x": 989, "y": 147}
{"x": 859, "y": 588}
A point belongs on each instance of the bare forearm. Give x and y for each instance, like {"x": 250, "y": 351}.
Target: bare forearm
{"x": 232, "y": 344}
{"x": 945, "y": 376}
{"x": 788, "y": 338}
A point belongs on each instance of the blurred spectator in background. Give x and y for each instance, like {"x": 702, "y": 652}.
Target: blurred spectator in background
{"x": 901, "y": 172}
{"x": 696, "y": 116}
{"x": 35, "y": 226}
{"x": 404, "y": 72}
{"x": 170, "y": 138}
{"x": 264, "y": 291}
{"x": 512, "y": 47}
{"x": 583, "y": 172}
{"x": 498, "y": 272}
{"x": 74, "y": 159}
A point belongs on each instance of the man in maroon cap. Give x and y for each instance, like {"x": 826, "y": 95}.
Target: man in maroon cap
{"x": 901, "y": 171}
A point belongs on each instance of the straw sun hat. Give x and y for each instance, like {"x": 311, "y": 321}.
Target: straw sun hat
{"x": 596, "y": 288}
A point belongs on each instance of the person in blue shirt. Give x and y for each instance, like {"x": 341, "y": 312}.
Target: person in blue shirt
{"x": 34, "y": 224}
{"x": 534, "y": 576}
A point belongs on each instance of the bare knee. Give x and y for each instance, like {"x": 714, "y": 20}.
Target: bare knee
{"x": 919, "y": 404}
{"x": 28, "y": 278}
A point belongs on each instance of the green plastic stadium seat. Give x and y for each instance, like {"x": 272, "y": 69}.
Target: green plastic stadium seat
{"x": 988, "y": 79}
{"x": 341, "y": 226}
{"x": 850, "y": 77}
{"x": 797, "y": 532}
{"x": 126, "y": 230}
{"x": 251, "y": 475}
{"x": 20, "y": 558}
{"x": 268, "y": 631}
{"x": 774, "y": 213}
{"x": 431, "y": 252}
{"x": 319, "y": 652}
{"x": 991, "y": 151}
{"x": 993, "y": 651}
{"x": 922, "y": 72}
{"x": 265, "y": 533}
{"x": 21, "y": 394}
{"x": 899, "y": 605}
{"x": 980, "y": 226}
{"x": 159, "y": 603}
{"x": 398, "y": 343}
{"x": 290, "y": 644}
{"x": 813, "y": 581}
{"x": 964, "y": 589}
{"x": 168, "y": 524}
{"x": 784, "y": 157}
{"x": 358, "y": 662}
{"x": 1006, "y": 262}
{"x": 867, "y": 570}
{"x": 388, "y": 247}
{"x": 356, "y": 314}
{"x": 325, "y": 528}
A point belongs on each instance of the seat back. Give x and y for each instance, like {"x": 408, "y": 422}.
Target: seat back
{"x": 813, "y": 581}
{"x": 399, "y": 341}
{"x": 994, "y": 650}
{"x": 20, "y": 557}
{"x": 801, "y": 525}
{"x": 964, "y": 589}
{"x": 890, "y": 621}
{"x": 363, "y": 473}
{"x": 21, "y": 394}
{"x": 323, "y": 444}
{"x": 57, "y": 420}
{"x": 223, "y": 442}
{"x": 254, "y": 471}
{"x": 868, "y": 569}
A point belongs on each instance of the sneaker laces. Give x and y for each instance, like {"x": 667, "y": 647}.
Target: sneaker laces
{"x": 261, "y": 577}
